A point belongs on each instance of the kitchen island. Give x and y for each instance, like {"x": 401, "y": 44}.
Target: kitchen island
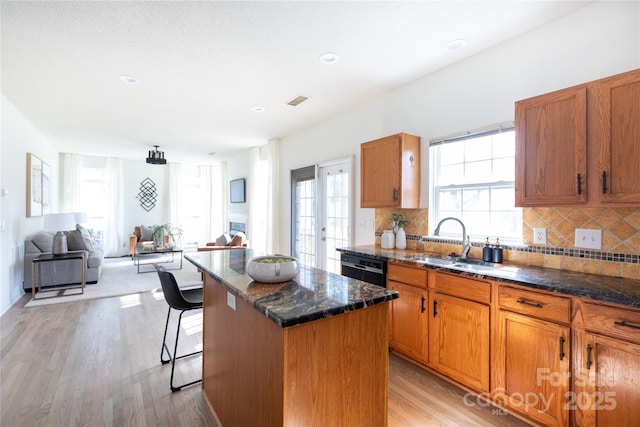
{"x": 309, "y": 352}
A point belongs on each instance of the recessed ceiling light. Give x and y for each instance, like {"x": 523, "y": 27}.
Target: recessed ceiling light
{"x": 211, "y": 153}
{"x": 456, "y": 44}
{"x": 329, "y": 58}
{"x": 257, "y": 109}
{"x": 130, "y": 80}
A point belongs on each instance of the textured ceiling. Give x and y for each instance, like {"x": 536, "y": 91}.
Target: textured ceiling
{"x": 202, "y": 65}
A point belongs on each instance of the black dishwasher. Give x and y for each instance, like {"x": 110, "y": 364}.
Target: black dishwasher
{"x": 363, "y": 268}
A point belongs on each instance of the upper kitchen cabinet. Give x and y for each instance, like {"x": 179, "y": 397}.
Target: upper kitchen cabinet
{"x": 390, "y": 172}
{"x": 619, "y": 138}
{"x": 581, "y": 145}
{"x": 551, "y": 148}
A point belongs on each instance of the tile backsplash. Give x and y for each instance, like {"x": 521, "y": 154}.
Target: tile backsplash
{"x": 619, "y": 256}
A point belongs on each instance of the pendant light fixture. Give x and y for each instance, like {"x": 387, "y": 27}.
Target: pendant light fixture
{"x": 156, "y": 157}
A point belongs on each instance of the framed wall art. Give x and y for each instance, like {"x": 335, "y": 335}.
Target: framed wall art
{"x": 38, "y": 186}
{"x": 34, "y": 185}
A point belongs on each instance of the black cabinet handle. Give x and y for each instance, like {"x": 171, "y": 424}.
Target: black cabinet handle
{"x": 589, "y": 348}
{"x": 579, "y": 183}
{"x": 604, "y": 182}
{"x": 628, "y": 325}
{"x": 561, "y": 348}
{"x": 529, "y": 303}
{"x": 422, "y": 305}
{"x": 435, "y": 310}
{"x": 395, "y": 194}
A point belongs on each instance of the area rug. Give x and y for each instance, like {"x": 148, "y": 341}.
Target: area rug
{"x": 120, "y": 277}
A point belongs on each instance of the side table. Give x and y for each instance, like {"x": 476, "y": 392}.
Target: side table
{"x": 48, "y": 258}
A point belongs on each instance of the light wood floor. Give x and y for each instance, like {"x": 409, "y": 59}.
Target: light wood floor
{"x": 97, "y": 362}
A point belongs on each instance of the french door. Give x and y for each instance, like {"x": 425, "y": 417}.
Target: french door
{"x": 322, "y": 212}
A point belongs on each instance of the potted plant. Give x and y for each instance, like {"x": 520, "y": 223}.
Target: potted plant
{"x": 398, "y": 223}
{"x": 158, "y": 233}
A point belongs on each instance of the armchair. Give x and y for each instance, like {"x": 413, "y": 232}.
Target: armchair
{"x": 141, "y": 235}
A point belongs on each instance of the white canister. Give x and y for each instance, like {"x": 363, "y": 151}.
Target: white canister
{"x": 387, "y": 240}
{"x": 401, "y": 239}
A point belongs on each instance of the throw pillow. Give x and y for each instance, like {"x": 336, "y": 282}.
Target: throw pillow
{"x": 223, "y": 240}
{"x": 146, "y": 233}
{"x": 88, "y": 241}
{"x": 75, "y": 242}
{"x": 238, "y": 239}
{"x": 43, "y": 241}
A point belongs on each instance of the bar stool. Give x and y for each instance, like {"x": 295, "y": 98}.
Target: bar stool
{"x": 182, "y": 300}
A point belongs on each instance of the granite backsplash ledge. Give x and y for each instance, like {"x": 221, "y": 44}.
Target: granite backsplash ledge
{"x": 620, "y": 256}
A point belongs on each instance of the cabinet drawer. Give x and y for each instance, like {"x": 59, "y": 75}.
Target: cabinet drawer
{"x": 611, "y": 320}
{"x": 408, "y": 275}
{"x": 462, "y": 287}
{"x": 535, "y": 304}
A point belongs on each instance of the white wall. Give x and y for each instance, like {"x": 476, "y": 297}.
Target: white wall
{"x": 238, "y": 167}
{"x": 19, "y": 137}
{"x": 135, "y": 171}
{"x": 594, "y": 42}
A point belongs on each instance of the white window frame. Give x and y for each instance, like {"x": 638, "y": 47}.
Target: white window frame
{"x": 478, "y": 232}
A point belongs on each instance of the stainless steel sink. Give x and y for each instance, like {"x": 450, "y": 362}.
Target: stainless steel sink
{"x": 432, "y": 260}
{"x": 455, "y": 262}
{"x": 476, "y": 263}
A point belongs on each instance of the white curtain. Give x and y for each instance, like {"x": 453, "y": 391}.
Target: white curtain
{"x": 263, "y": 197}
{"x": 214, "y": 201}
{"x": 113, "y": 242}
{"x": 71, "y": 200}
{"x": 175, "y": 199}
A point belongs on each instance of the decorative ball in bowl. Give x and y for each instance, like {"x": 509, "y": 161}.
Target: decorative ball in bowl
{"x": 272, "y": 268}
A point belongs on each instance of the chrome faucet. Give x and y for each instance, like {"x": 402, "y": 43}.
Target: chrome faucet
{"x": 466, "y": 245}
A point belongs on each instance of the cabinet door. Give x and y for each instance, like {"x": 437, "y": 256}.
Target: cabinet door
{"x": 459, "y": 340}
{"x": 533, "y": 367}
{"x": 380, "y": 173}
{"x": 606, "y": 384}
{"x": 619, "y": 138}
{"x": 551, "y": 144}
{"x": 409, "y": 332}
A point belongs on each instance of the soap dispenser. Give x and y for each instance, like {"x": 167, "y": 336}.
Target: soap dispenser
{"x": 487, "y": 251}
{"x": 497, "y": 252}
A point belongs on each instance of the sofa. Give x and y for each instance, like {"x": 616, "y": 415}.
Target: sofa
{"x": 225, "y": 241}
{"x": 62, "y": 272}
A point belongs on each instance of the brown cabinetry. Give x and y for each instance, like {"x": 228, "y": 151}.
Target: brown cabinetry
{"x": 459, "y": 329}
{"x": 606, "y": 389}
{"x": 619, "y": 138}
{"x": 390, "y": 172}
{"x": 532, "y": 368}
{"x": 580, "y": 145}
{"x": 409, "y": 317}
{"x": 551, "y": 148}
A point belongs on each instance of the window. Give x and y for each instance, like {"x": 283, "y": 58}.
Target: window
{"x": 472, "y": 178}
{"x": 93, "y": 190}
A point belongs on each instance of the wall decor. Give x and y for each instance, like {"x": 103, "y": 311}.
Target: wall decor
{"x": 147, "y": 194}
{"x": 38, "y": 186}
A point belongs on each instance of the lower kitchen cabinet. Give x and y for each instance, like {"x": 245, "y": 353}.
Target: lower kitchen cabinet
{"x": 459, "y": 330}
{"x": 606, "y": 383}
{"x": 532, "y": 366}
{"x": 409, "y": 318}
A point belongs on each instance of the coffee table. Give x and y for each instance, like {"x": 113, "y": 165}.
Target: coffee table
{"x": 147, "y": 252}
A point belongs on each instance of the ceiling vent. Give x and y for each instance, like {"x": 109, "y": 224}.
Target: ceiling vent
{"x": 297, "y": 100}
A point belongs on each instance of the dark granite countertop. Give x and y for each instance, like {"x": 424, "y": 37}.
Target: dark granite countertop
{"x": 313, "y": 294}
{"x": 615, "y": 290}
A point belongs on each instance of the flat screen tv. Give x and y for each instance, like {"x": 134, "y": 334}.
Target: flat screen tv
{"x": 237, "y": 191}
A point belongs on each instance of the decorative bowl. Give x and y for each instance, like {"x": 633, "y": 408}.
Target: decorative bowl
{"x": 272, "y": 268}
